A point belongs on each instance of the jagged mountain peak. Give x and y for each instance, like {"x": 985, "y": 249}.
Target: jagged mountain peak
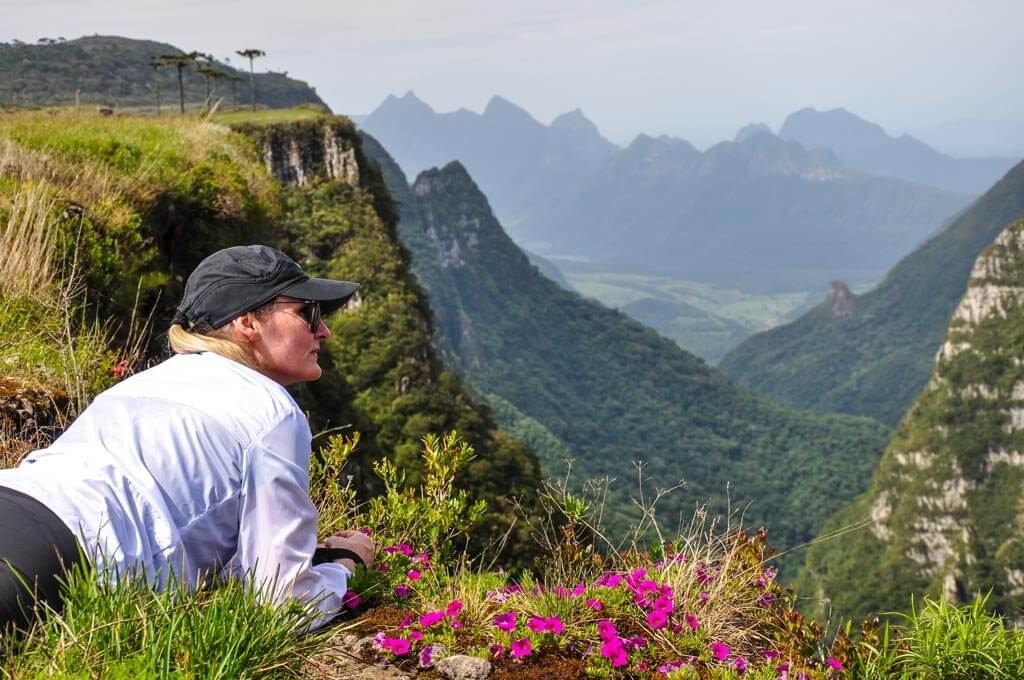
{"x": 406, "y": 105}
{"x": 500, "y": 108}
{"x": 752, "y": 129}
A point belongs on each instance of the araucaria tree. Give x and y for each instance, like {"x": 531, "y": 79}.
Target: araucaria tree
{"x": 180, "y": 61}
{"x": 156, "y": 64}
{"x": 251, "y": 54}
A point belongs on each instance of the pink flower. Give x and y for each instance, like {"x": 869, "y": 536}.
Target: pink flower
{"x": 553, "y": 624}
{"x": 609, "y": 580}
{"x": 396, "y": 646}
{"x": 614, "y": 651}
{"x": 498, "y": 651}
{"x": 770, "y": 654}
{"x": 422, "y": 558}
{"x": 403, "y": 590}
{"x": 351, "y": 599}
{"x": 740, "y": 664}
{"x": 834, "y": 663}
{"x": 664, "y": 605}
{"x": 595, "y": 604}
{"x": 426, "y": 656}
{"x": 720, "y": 651}
{"x": 454, "y": 607}
{"x": 656, "y": 619}
{"x": 703, "y": 598}
{"x": 536, "y": 624}
{"x": 692, "y": 622}
{"x": 505, "y": 622}
{"x": 413, "y": 575}
{"x": 405, "y": 622}
{"x": 637, "y": 642}
{"x": 606, "y": 629}
{"x": 638, "y": 573}
{"x": 456, "y": 624}
{"x": 415, "y": 635}
{"x": 521, "y": 648}
{"x": 765, "y": 600}
{"x": 383, "y": 568}
{"x": 579, "y": 589}
{"x": 430, "y": 618}
{"x": 366, "y": 530}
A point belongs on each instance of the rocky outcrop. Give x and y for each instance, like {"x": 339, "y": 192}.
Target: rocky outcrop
{"x": 302, "y": 152}
{"x": 841, "y": 301}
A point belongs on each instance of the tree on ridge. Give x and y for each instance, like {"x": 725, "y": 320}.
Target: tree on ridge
{"x": 156, "y": 64}
{"x": 251, "y": 54}
{"x": 180, "y": 61}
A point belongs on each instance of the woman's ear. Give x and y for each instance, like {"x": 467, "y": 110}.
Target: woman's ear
{"x": 246, "y": 327}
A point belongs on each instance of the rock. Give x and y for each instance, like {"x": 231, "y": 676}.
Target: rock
{"x": 428, "y": 659}
{"x": 462, "y": 667}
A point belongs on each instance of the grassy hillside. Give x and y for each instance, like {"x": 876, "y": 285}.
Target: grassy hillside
{"x": 612, "y": 391}
{"x": 945, "y": 503}
{"x": 876, "y": 360}
{"x": 113, "y": 71}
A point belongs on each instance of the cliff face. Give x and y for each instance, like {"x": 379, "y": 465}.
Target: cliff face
{"x": 947, "y": 502}
{"x": 304, "y": 153}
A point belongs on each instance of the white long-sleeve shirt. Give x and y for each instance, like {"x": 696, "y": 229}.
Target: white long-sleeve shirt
{"x": 196, "y": 466}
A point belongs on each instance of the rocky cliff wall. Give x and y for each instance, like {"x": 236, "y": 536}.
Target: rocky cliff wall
{"x": 946, "y": 508}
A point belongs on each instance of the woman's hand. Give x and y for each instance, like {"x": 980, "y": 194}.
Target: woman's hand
{"x": 357, "y": 542}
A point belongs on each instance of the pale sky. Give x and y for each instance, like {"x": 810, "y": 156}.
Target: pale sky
{"x": 946, "y": 71}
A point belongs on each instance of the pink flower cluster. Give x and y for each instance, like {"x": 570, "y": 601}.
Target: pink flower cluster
{"x": 399, "y": 646}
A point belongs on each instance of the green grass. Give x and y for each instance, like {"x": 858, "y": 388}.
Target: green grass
{"x": 269, "y": 116}
{"x": 129, "y": 630}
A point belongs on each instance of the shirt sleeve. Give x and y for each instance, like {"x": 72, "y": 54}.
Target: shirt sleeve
{"x": 277, "y": 523}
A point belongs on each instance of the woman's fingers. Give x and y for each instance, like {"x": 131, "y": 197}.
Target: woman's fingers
{"x": 360, "y": 544}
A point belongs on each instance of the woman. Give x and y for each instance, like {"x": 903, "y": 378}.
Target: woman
{"x": 196, "y": 467}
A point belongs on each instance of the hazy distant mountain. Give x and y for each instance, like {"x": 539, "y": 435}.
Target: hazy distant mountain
{"x": 875, "y": 358}
{"x": 866, "y": 146}
{"x": 762, "y": 213}
{"x": 756, "y": 213}
{"x": 517, "y": 159}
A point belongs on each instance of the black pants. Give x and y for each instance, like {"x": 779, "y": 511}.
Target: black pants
{"x": 35, "y": 550}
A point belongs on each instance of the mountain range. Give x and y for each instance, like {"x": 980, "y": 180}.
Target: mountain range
{"x": 874, "y": 357}
{"x": 574, "y": 378}
{"x": 866, "y": 146}
{"x": 759, "y": 212}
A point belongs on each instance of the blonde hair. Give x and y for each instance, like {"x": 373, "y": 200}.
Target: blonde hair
{"x": 219, "y": 341}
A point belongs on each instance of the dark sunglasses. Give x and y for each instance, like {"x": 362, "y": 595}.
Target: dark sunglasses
{"x": 310, "y": 312}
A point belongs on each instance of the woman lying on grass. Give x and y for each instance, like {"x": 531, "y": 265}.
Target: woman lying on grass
{"x": 198, "y": 467}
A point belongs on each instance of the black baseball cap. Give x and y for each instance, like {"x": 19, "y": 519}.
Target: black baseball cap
{"x": 236, "y": 280}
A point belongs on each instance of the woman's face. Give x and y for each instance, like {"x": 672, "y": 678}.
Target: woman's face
{"x": 285, "y": 348}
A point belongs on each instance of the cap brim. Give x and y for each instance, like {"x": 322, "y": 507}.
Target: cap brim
{"x": 330, "y": 294}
